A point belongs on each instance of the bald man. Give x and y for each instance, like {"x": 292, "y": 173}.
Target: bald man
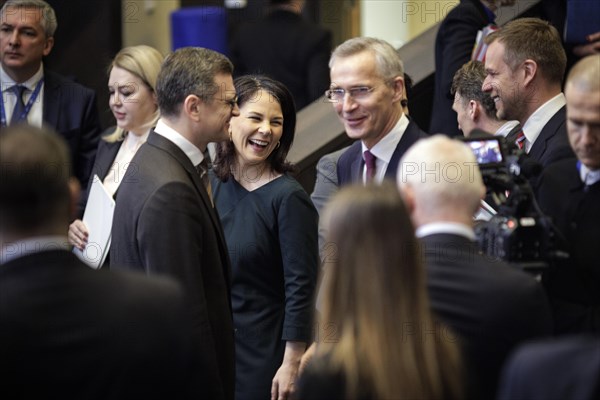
{"x": 491, "y": 305}
{"x": 569, "y": 192}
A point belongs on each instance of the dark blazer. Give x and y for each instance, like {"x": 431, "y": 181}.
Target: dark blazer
{"x": 326, "y": 185}
{"x": 490, "y": 305}
{"x": 561, "y": 369}
{"x": 71, "y": 110}
{"x": 288, "y": 48}
{"x": 553, "y": 143}
{"x": 453, "y": 47}
{"x": 351, "y": 163}
{"x": 69, "y": 332}
{"x": 574, "y": 284}
{"x": 164, "y": 223}
{"x": 105, "y": 156}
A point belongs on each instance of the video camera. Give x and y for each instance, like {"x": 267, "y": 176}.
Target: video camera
{"x": 515, "y": 230}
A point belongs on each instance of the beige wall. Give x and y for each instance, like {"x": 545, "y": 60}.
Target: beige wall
{"x": 399, "y": 21}
{"x": 147, "y": 22}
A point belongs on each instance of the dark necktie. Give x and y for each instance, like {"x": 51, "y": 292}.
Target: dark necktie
{"x": 370, "y": 165}
{"x": 520, "y": 140}
{"x": 203, "y": 172}
{"x": 17, "y": 115}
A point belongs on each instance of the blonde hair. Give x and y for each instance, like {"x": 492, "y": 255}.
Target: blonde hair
{"x": 376, "y": 301}
{"x": 143, "y": 62}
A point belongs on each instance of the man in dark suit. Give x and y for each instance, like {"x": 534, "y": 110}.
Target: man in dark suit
{"x": 164, "y": 221}
{"x": 35, "y": 95}
{"x": 326, "y": 183}
{"x": 367, "y": 87}
{"x": 569, "y": 192}
{"x": 491, "y": 305}
{"x": 454, "y": 43}
{"x": 525, "y": 64}
{"x": 565, "y": 369}
{"x": 286, "y": 47}
{"x": 67, "y": 331}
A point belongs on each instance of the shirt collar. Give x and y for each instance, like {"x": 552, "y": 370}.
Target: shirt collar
{"x": 453, "y": 228}
{"x": 8, "y": 82}
{"x": 506, "y": 128}
{"x": 588, "y": 177}
{"x": 384, "y": 149}
{"x": 190, "y": 150}
{"x": 536, "y": 122}
{"x": 21, "y": 248}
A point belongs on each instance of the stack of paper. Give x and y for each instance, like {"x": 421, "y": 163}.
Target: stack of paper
{"x": 98, "y": 218}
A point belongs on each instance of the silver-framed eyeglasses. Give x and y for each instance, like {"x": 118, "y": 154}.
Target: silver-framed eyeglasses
{"x": 359, "y": 92}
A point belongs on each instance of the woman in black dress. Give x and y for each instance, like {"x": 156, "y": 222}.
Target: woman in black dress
{"x": 270, "y": 227}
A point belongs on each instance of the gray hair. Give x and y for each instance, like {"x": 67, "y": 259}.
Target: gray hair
{"x": 48, "y": 20}
{"x": 388, "y": 61}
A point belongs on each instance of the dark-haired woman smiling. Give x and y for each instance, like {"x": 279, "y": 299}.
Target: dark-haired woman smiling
{"x": 270, "y": 227}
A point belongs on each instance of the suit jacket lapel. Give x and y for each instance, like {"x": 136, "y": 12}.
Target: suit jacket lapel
{"x": 511, "y": 136}
{"x": 51, "y": 105}
{"x": 410, "y": 136}
{"x": 548, "y": 131}
{"x": 356, "y": 168}
{"x": 157, "y": 140}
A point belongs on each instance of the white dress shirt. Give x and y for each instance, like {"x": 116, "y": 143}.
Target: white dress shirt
{"x": 190, "y": 150}
{"x": 505, "y": 129}
{"x": 536, "y": 122}
{"x": 453, "y": 228}
{"x": 131, "y": 144}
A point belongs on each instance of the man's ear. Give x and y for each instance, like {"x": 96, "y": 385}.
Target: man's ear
{"x": 529, "y": 71}
{"x": 192, "y": 106}
{"x": 474, "y": 110}
{"x": 74, "y": 193}
{"x": 49, "y": 45}
{"x": 398, "y": 86}
{"x": 408, "y": 195}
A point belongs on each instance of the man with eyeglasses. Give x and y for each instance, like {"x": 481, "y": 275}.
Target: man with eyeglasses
{"x": 327, "y": 184}
{"x": 367, "y": 86}
{"x": 164, "y": 222}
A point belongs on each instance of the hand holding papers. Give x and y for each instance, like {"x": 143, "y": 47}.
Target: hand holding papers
{"x": 98, "y": 218}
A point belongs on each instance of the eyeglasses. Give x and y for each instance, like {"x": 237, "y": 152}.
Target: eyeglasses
{"x": 230, "y": 102}
{"x": 359, "y": 92}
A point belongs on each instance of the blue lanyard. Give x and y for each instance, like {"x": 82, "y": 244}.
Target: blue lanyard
{"x": 34, "y": 95}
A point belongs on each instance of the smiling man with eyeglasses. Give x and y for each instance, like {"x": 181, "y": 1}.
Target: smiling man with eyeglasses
{"x": 367, "y": 86}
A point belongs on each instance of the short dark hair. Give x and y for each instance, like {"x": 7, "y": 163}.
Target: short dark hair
{"x": 189, "y": 70}
{"x": 246, "y": 87}
{"x": 468, "y": 82}
{"x": 34, "y": 179}
{"x": 535, "y": 39}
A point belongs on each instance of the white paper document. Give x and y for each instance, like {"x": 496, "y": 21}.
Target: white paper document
{"x": 98, "y": 218}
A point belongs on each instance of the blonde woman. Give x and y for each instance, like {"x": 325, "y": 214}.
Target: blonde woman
{"x": 131, "y": 83}
{"x": 377, "y": 338}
